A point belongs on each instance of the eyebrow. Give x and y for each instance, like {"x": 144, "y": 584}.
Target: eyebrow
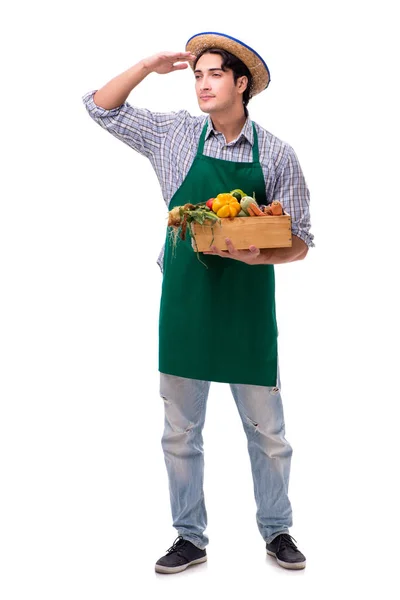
{"x": 213, "y": 69}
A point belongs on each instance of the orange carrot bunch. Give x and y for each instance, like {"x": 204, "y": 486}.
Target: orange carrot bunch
{"x": 254, "y": 210}
{"x": 274, "y": 209}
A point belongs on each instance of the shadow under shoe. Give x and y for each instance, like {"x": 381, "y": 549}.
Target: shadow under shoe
{"x": 180, "y": 556}
{"x": 286, "y": 552}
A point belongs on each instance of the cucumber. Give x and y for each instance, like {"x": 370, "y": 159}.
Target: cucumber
{"x": 237, "y": 196}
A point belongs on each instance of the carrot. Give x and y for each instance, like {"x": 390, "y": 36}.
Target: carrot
{"x": 257, "y": 212}
{"x": 276, "y": 208}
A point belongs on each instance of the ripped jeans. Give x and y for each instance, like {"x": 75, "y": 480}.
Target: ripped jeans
{"x": 260, "y": 409}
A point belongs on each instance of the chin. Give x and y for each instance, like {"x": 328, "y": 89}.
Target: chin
{"x": 205, "y": 108}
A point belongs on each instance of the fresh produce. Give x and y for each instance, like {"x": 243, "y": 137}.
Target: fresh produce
{"x": 254, "y": 210}
{"x": 226, "y": 205}
{"x": 209, "y": 203}
{"x": 245, "y": 203}
{"x": 276, "y": 208}
{"x": 238, "y": 194}
{"x": 174, "y": 217}
{"x": 180, "y": 216}
{"x": 229, "y": 210}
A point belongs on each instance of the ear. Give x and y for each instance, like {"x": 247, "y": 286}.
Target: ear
{"x": 242, "y": 83}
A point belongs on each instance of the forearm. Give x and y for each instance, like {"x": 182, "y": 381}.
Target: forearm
{"x": 116, "y": 91}
{"x": 276, "y": 256}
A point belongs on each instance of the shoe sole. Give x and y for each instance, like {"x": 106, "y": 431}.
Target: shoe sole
{"x": 285, "y": 565}
{"x": 162, "y": 569}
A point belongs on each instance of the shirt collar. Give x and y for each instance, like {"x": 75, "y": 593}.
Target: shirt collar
{"x": 247, "y": 130}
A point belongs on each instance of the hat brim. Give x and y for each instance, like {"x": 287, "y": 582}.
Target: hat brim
{"x": 253, "y": 61}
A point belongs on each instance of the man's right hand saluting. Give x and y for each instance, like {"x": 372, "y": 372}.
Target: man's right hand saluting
{"x": 165, "y": 62}
{"x": 116, "y": 91}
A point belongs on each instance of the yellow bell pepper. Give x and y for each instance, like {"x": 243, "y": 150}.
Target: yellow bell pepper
{"x": 226, "y": 205}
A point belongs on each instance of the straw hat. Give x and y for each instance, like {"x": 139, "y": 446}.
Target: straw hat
{"x": 253, "y": 61}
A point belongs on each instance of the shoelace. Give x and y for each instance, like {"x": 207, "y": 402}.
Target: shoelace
{"x": 178, "y": 542}
{"x": 286, "y": 540}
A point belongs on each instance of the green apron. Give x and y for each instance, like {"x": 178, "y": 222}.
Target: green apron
{"x": 217, "y": 323}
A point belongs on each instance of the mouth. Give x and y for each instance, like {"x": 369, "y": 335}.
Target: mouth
{"x": 206, "y": 97}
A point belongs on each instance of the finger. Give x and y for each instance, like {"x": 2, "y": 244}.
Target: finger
{"x": 254, "y": 250}
{"x": 182, "y": 56}
{"x": 180, "y": 66}
{"x": 230, "y": 246}
{"x": 218, "y": 252}
{"x": 185, "y": 54}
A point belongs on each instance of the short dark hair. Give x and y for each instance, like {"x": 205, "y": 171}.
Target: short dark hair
{"x": 230, "y": 61}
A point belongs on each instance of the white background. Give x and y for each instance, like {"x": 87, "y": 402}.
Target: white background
{"x": 84, "y": 503}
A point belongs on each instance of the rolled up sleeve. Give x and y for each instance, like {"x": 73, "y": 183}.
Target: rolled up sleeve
{"x": 292, "y": 192}
{"x": 139, "y": 128}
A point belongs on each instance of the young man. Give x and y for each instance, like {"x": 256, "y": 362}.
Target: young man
{"x": 196, "y": 158}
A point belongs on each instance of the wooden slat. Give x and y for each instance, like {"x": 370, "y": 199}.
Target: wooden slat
{"x": 262, "y": 232}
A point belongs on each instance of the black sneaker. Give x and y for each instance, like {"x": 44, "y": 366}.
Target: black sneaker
{"x": 286, "y": 552}
{"x": 180, "y": 556}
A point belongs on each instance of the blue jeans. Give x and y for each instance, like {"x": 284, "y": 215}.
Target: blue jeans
{"x": 260, "y": 409}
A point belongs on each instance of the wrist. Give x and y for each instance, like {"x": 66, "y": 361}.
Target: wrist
{"x": 145, "y": 66}
{"x": 266, "y": 255}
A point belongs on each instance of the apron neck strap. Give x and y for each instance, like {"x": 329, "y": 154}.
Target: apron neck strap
{"x": 256, "y": 155}
{"x": 202, "y": 138}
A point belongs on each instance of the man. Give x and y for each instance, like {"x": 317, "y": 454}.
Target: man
{"x": 196, "y": 158}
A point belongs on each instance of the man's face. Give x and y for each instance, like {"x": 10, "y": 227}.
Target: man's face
{"x": 216, "y": 90}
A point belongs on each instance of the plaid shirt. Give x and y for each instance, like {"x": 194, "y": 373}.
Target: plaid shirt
{"x": 170, "y": 141}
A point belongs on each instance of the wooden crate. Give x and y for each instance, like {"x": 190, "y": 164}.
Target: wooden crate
{"x": 262, "y": 232}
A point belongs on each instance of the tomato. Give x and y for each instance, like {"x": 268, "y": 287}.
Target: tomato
{"x": 209, "y": 203}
